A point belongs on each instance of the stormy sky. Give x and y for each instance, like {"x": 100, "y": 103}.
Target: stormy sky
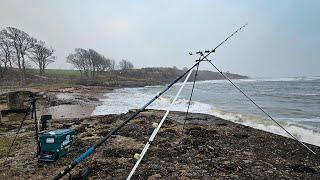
{"x": 281, "y": 40}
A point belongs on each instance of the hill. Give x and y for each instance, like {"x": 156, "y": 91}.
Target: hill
{"x": 112, "y": 78}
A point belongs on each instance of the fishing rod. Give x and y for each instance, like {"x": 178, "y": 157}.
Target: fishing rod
{"x": 259, "y": 107}
{"x": 156, "y": 130}
{"x": 92, "y": 149}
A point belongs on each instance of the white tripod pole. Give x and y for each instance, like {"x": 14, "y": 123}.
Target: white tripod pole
{"x": 155, "y": 131}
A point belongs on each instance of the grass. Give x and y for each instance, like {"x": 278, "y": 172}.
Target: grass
{"x": 56, "y": 78}
{"x": 3, "y": 98}
{"x": 62, "y": 72}
{"x": 58, "y": 72}
{"x": 4, "y": 146}
{"x": 2, "y": 129}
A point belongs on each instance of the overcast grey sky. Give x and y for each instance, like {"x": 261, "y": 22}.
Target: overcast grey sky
{"x": 282, "y": 38}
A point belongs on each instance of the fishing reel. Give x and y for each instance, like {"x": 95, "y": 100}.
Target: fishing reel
{"x": 201, "y": 52}
{"x": 203, "y": 55}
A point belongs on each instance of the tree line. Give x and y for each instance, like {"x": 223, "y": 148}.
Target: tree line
{"x": 90, "y": 63}
{"x": 18, "y": 50}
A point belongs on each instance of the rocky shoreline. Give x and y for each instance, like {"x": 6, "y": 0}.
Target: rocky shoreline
{"x": 208, "y": 148}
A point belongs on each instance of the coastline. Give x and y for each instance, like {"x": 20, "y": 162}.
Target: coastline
{"x": 209, "y": 147}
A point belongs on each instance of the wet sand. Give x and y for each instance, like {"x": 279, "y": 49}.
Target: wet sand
{"x": 72, "y": 102}
{"x": 70, "y": 111}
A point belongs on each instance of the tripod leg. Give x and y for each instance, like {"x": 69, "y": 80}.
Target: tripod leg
{"x": 23, "y": 119}
{"x": 34, "y": 110}
{"x": 194, "y": 81}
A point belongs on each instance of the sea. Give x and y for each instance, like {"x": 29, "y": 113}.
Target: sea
{"x": 293, "y": 102}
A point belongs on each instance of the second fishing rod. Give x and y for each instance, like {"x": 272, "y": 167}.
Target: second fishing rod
{"x": 92, "y": 149}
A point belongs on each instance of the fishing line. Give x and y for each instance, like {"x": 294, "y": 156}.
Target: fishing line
{"x": 261, "y": 108}
{"x": 156, "y": 130}
{"x": 189, "y": 103}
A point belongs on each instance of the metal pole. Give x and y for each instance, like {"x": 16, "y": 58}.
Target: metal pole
{"x": 189, "y": 103}
{"x": 155, "y": 131}
{"x": 28, "y": 110}
{"x": 34, "y": 112}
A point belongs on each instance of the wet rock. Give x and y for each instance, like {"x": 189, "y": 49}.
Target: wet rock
{"x": 80, "y": 129}
{"x": 155, "y": 176}
{"x": 302, "y": 168}
{"x": 200, "y": 132}
{"x": 119, "y": 153}
{"x": 93, "y": 99}
{"x": 65, "y": 126}
{"x": 202, "y": 151}
{"x": 247, "y": 161}
{"x": 241, "y": 135}
{"x": 221, "y": 124}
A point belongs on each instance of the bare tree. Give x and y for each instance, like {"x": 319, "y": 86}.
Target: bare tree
{"x": 112, "y": 64}
{"x": 79, "y": 60}
{"x": 5, "y": 54}
{"x": 42, "y": 56}
{"x": 93, "y": 61}
{"x": 89, "y": 62}
{"x": 104, "y": 64}
{"x": 125, "y": 65}
{"x": 6, "y": 50}
{"x": 2, "y": 69}
{"x": 22, "y": 43}
{"x": 76, "y": 62}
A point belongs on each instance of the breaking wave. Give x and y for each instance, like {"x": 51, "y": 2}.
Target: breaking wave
{"x": 122, "y": 100}
{"x": 307, "y": 78}
{"x": 303, "y": 133}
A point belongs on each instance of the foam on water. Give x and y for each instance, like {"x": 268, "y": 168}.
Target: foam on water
{"x": 122, "y": 100}
{"x": 307, "y": 78}
{"x": 302, "y": 133}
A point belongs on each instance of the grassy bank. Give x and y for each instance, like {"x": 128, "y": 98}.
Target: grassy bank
{"x": 112, "y": 78}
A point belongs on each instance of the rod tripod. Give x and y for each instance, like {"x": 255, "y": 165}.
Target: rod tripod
{"x": 30, "y": 109}
{"x": 92, "y": 149}
{"x": 203, "y": 56}
{"x": 193, "y": 86}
